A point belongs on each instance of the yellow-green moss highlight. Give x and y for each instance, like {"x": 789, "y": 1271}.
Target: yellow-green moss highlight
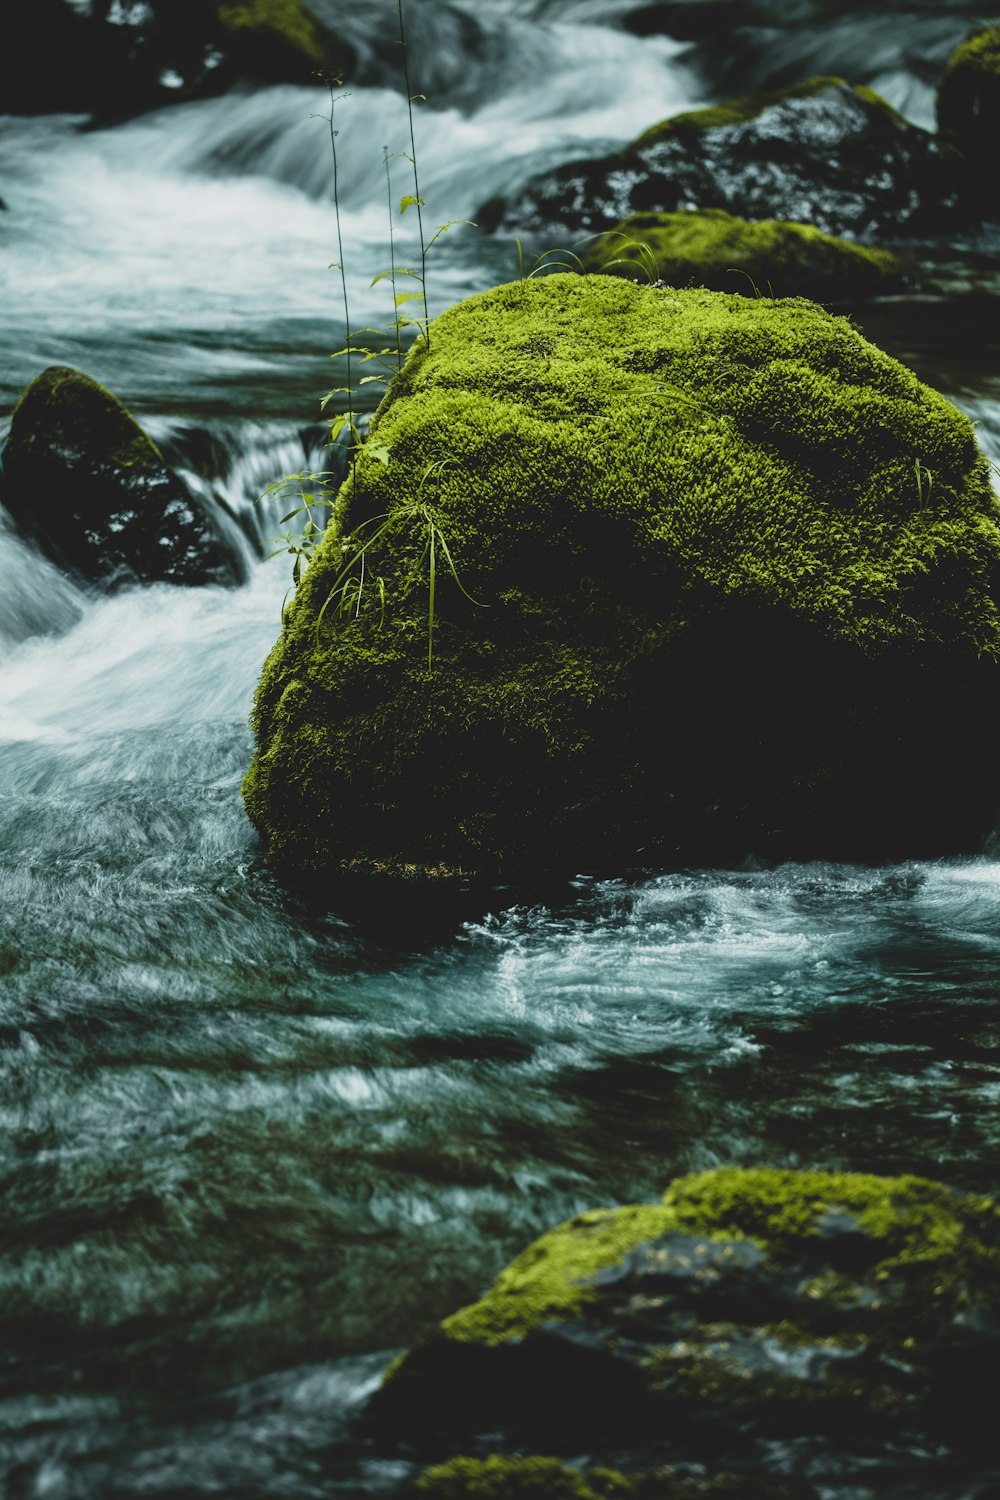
{"x": 286, "y": 24}
{"x": 606, "y": 461}
{"x": 500, "y": 1477}
{"x": 747, "y": 107}
{"x": 769, "y": 257}
{"x": 920, "y": 1224}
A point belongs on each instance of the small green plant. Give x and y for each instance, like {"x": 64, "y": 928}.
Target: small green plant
{"x": 925, "y": 476}
{"x": 642, "y": 260}
{"x": 348, "y": 590}
{"x": 314, "y": 492}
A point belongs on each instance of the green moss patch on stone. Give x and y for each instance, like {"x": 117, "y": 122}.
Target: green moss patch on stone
{"x": 77, "y": 409}
{"x": 916, "y": 1224}
{"x": 747, "y": 107}
{"x": 854, "y": 1312}
{"x": 770, "y": 257}
{"x": 508, "y": 1478}
{"x": 286, "y": 24}
{"x": 610, "y": 466}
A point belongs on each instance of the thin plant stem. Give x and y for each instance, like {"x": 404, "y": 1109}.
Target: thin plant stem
{"x": 416, "y": 178}
{"x": 343, "y": 274}
{"x": 392, "y": 255}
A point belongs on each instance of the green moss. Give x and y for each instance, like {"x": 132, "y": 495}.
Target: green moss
{"x": 550, "y": 1279}
{"x": 503, "y": 1478}
{"x": 712, "y": 248}
{"x": 608, "y": 463}
{"x": 65, "y": 405}
{"x": 916, "y": 1222}
{"x": 285, "y": 23}
{"x": 748, "y": 107}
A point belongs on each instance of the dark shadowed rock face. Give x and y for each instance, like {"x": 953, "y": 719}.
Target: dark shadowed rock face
{"x": 822, "y": 153}
{"x": 81, "y": 477}
{"x": 837, "y": 1328}
{"x": 968, "y": 108}
{"x": 121, "y": 59}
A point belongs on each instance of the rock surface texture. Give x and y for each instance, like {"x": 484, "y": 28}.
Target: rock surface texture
{"x": 711, "y": 248}
{"x": 819, "y": 153}
{"x": 82, "y": 478}
{"x": 968, "y": 107}
{"x": 818, "y": 1330}
{"x": 627, "y": 574}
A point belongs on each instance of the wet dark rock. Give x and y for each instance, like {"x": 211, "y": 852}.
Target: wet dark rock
{"x": 809, "y": 1327}
{"x": 820, "y": 153}
{"x": 82, "y": 478}
{"x": 114, "y": 58}
{"x": 968, "y": 108}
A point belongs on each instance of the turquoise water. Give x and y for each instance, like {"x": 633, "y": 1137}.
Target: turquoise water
{"x": 252, "y": 1145}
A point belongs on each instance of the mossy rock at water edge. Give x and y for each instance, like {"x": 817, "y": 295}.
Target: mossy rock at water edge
{"x": 821, "y": 153}
{"x": 724, "y": 583}
{"x": 778, "y": 1325}
{"x": 968, "y": 107}
{"x": 712, "y": 248}
{"x": 81, "y": 477}
{"x": 519, "y": 1477}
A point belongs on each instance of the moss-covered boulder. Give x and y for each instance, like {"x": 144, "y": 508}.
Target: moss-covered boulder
{"x": 533, "y": 1477}
{"x": 82, "y": 478}
{"x": 115, "y": 60}
{"x": 711, "y": 248}
{"x": 726, "y": 582}
{"x": 849, "y": 1322}
{"x": 820, "y": 153}
{"x": 968, "y": 108}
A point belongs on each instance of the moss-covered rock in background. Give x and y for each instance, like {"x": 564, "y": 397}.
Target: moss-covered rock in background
{"x": 853, "y": 1319}
{"x": 968, "y": 105}
{"x": 119, "y": 61}
{"x": 820, "y": 153}
{"x": 503, "y": 1477}
{"x": 711, "y": 248}
{"x": 738, "y": 571}
{"x": 82, "y": 478}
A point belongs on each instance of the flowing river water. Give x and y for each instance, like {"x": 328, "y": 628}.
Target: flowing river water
{"x": 251, "y": 1146}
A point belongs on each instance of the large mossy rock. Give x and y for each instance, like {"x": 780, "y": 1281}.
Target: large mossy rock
{"x": 968, "y": 107}
{"x": 711, "y": 248}
{"x": 82, "y": 478}
{"x": 534, "y": 1477}
{"x": 781, "y": 1324}
{"x": 116, "y": 60}
{"x": 820, "y": 153}
{"x": 734, "y": 573}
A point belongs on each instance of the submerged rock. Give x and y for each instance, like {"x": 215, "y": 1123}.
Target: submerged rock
{"x": 777, "y": 1324}
{"x": 968, "y": 107}
{"x": 819, "y": 153}
{"x": 711, "y": 248}
{"x": 627, "y": 575}
{"x": 82, "y": 478}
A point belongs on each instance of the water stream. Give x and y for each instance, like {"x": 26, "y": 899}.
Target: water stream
{"x": 251, "y": 1146}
